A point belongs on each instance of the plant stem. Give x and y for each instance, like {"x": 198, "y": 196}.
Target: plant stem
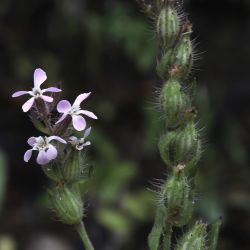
{"x": 84, "y": 236}
{"x": 167, "y": 234}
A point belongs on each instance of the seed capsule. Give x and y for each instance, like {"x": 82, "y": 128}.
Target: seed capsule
{"x": 168, "y": 26}
{"x": 174, "y": 103}
{"x": 67, "y": 204}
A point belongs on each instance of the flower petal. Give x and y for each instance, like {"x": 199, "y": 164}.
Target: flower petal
{"x": 27, "y": 155}
{"x": 31, "y": 141}
{"x": 87, "y": 132}
{"x": 19, "y": 93}
{"x": 42, "y": 158}
{"x": 88, "y": 113}
{"x": 52, "y": 89}
{"x": 63, "y": 106}
{"x": 51, "y": 152}
{"x": 79, "y": 122}
{"x": 27, "y": 105}
{"x": 61, "y": 118}
{"x": 57, "y": 138}
{"x": 39, "y": 77}
{"x": 47, "y": 98}
{"x": 80, "y": 98}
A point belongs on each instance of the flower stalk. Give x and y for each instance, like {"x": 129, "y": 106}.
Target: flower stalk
{"x": 180, "y": 144}
{"x": 84, "y": 236}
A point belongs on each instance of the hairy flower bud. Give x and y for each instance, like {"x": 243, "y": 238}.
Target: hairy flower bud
{"x": 72, "y": 168}
{"x": 194, "y": 239}
{"x": 67, "y": 204}
{"x": 178, "y": 197}
{"x": 181, "y": 61}
{"x": 168, "y": 26}
{"x": 186, "y": 143}
{"x": 174, "y": 103}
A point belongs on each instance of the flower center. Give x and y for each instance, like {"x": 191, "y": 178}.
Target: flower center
{"x": 74, "y": 110}
{"x": 36, "y": 92}
{"x": 42, "y": 143}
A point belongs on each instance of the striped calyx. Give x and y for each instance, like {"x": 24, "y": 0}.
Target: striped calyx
{"x": 178, "y": 197}
{"x": 186, "y": 144}
{"x": 168, "y": 26}
{"x": 73, "y": 169}
{"x": 174, "y": 103}
{"x": 194, "y": 239}
{"x": 67, "y": 204}
{"x": 181, "y": 60}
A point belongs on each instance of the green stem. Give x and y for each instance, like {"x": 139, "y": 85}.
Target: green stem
{"x": 167, "y": 235}
{"x": 214, "y": 235}
{"x": 84, "y": 236}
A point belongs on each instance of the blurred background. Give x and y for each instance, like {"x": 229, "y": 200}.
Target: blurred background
{"x": 108, "y": 47}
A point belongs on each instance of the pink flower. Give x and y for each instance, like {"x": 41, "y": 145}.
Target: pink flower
{"x": 79, "y": 143}
{"x": 47, "y": 152}
{"x": 75, "y": 112}
{"x": 39, "y": 77}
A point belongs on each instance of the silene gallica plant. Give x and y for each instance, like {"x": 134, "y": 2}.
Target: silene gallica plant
{"x": 180, "y": 145}
{"x": 60, "y": 151}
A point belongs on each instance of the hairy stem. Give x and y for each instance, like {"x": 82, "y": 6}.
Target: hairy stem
{"x": 167, "y": 234}
{"x": 84, "y": 236}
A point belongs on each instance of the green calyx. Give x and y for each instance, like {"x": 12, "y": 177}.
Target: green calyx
{"x": 168, "y": 26}
{"x": 186, "y": 144}
{"x": 194, "y": 239}
{"x": 174, "y": 103}
{"x": 74, "y": 168}
{"x": 181, "y": 147}
{"x": 67, "y": 204}
{"x": 177, "y": 62}
{"x": 178, "y": 197}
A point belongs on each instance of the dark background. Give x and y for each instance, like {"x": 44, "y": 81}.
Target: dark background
{"x": 109, "y": 47}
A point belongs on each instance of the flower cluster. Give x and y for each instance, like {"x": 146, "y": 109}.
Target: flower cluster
{"x": 61, "y": 132}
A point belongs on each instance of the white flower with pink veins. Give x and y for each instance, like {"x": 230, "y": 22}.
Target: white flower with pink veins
{"x": 75, "y": 112}
{"x": 47, "y": 151}
{"x": 36, "y": 92}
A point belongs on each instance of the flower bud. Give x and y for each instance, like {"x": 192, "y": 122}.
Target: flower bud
{"x": 194, "y": 239}
{"x": 178, "y": 197}
{"x": 174, "y": 103}
{"x": 182, "y": 59}
{"x": 73, "y": 169}
{"x": 67, "y": 204}
{"x": 186, "y": 143}
{"x": 168, "y": 26}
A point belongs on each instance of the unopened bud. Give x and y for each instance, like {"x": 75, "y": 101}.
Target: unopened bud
{"x": 182, "y": 57}
{"x": 178, "y": 197}
{"x": 67, "y": 204}
{"x": 174, "y": 103}
{"x": 168, "y": 26}
{"x": 186, "y": 143}
{"x": 74, "y": 167}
